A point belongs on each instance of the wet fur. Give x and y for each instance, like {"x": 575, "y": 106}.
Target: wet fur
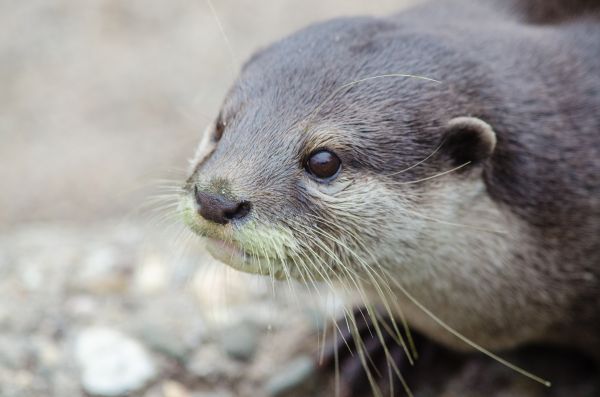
{"x": 531, "y": 73}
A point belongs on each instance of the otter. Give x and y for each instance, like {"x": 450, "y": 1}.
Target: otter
{"x": 443, "y": 161}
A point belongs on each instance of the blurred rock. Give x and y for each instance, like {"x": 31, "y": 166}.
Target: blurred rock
{"x": 111, "y": 363}
{"x": 104, "y": 270}
{"x": 240, "y": 340}
{"x": 81, "y": 306}
{"x": 174, "y": 389}
{"x": 151, "y": 276}
{"x": 220, "y": 393}
{"x": 19, "y": 383}
{"x": 169, "y": 388}
{"x": 14, "y": 352}
{"x": 64, "y": 384}
{"x": 292, "y": 377}
{"x": 4, "y": 261}
{"x": 209, "y": 363}
{"x": 48, "y": 353}
{"x": 170, "y": 324}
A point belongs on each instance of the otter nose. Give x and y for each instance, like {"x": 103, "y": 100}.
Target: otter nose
{"x": 219, "y": 209}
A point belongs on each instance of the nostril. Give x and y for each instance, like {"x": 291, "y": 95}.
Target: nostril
{"x": 219, "y": 208}
{"x": 240, "y": 211}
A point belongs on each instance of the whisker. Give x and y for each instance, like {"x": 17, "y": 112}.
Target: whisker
{"x": 468, "y": 341}
{"x": 417, "y": 163}
{"x": 354, "y": 82}
{"x": 234, "y": 59}
{"x": 364, "y": 357}
{"x": 462, "y": 225}
{"x": 433, "y": 176}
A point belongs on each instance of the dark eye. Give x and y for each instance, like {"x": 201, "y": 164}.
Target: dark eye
{"x": 219, "y": 128}
{"x": 323, "y": 164}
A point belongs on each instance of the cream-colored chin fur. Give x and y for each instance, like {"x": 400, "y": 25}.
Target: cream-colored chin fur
{"x": 235, "y": 257}
{"x": 251, "y": 248}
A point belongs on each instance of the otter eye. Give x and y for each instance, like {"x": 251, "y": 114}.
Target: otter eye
{"x": 323, "y": 164}
{"x": 219, "y": 128}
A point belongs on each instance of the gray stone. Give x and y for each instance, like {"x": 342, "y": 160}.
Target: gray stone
{"x": 47, "y": 352}
{"x": 14, "y": 352}
{"x": 170, "y": 325}
{"x": 292, "y": 377}
{"x": 210, "y": 364}
{"x": 111, "y": 363}
{"x": 220, "y": 393}
{"x": 64, "y": 384}
{"x": 240, "y": 340}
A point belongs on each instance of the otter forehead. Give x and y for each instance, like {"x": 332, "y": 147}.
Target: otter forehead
{"x": 301, "y": 70}
{"x": 285, "y": 99}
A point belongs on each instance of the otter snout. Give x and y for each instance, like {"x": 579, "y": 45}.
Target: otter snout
{"x": 219, "y": 209}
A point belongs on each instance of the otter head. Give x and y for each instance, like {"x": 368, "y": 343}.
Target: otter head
{"x": 329, "y": 160}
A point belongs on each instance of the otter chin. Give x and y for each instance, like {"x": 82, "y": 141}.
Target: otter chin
{"x": 234, "y": 256}
{"x": 242, "y": 246}
{"x": 452, "y": 159}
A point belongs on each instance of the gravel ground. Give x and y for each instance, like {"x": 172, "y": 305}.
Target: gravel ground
{"x": 118, "y": 308}
{"x": 112, "y": 310}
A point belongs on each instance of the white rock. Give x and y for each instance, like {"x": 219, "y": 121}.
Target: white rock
{"x": 151, "y": 276}
{"x": 174, "y": 389}
{"x": 169, "y": 324}
{"x": 111, "y": 363}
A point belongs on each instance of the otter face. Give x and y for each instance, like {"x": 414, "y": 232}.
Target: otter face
{"x": 320, "y": 166}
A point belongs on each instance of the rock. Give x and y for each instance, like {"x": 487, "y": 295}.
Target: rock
{"x": 64, "y": 384}
{"x": 210, "y": 364}
{"x": 14, "y": 352}
{"x": 104, "y": 270}
{"x": 169, "y": 324}
{"x": 18, "y": 383}
{"x": 240, "y": 340}
{"x": 151, "y": 276}
{"x": 4, "y": 261}
{"x": 154, "y": 391}
{"x": 293, "y": 376}
{"x": 81, "y": 306}
{"x": 174, "y": 389}
{"x": 47, "y": 352}
{"x": 32, "y": 277}
{"x": 220, "y": 393}
{"x": 111, "y": 363}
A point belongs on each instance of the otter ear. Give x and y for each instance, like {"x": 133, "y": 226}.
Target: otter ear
{"x": 468, "y": 140}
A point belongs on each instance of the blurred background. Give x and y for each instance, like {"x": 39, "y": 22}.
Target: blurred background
{"x": 99, "y": 101}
